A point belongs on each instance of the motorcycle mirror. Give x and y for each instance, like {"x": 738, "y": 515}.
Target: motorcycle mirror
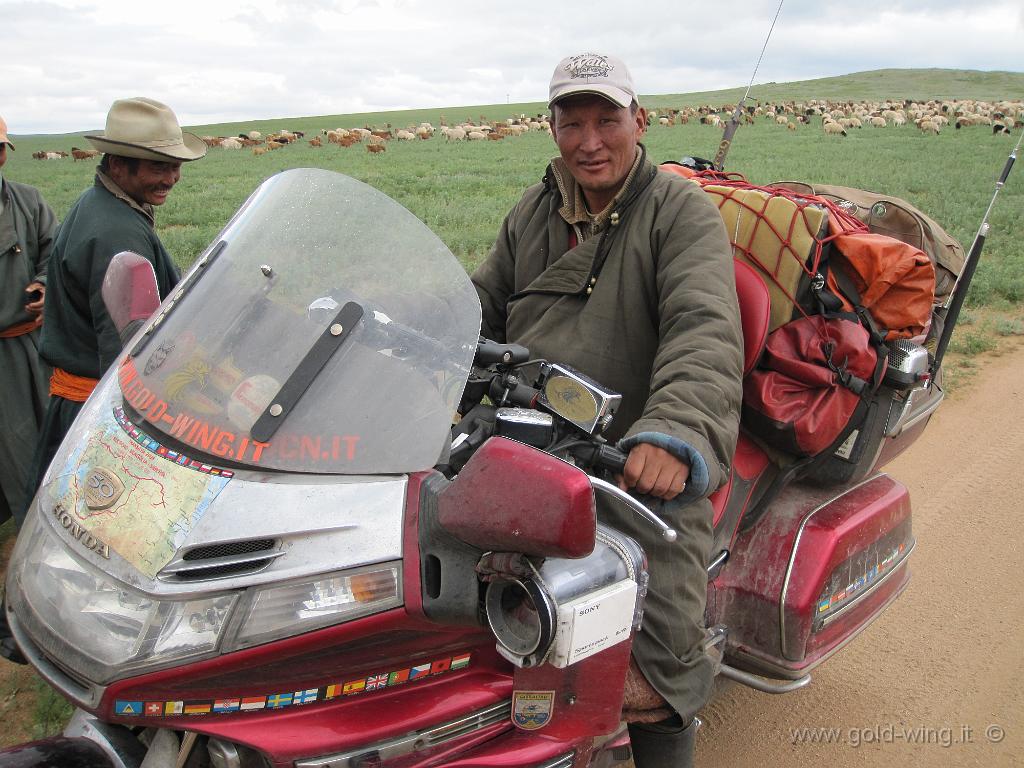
{"x": 129, "y": 292}
{"x": 511, "y": 497}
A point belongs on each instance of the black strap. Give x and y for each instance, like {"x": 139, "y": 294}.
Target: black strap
{"x": 864, "y": 315}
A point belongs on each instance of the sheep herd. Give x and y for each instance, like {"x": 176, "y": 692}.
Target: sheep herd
{"x": 835, "y": 118}
{"x": 375, "y": 139}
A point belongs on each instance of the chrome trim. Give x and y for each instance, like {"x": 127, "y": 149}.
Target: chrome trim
{"x": 763, "y": 684}
{"x": 875, "y": 585}
{"x": 183, "y": 569}
{"x": 788, "y": 673}
{"x": 562, "y": 761}
{"x": 416, "y": 741}
{"x": 928, "y": 411}
{"x": 617, "y": 493}
{"x": 117, "y": 742}
{"x": 792, "y": 557}
{"x": 718, "y": 561}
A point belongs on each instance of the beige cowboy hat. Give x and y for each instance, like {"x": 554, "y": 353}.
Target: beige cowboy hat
{"x": 3, "y": 134}
{"x": 148, "y": 130}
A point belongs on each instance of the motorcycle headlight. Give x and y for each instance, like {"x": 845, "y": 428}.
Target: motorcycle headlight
{"x": 282, "y": 610}
{"x": 97, "y": 626}
{"x": 103, "y": 630}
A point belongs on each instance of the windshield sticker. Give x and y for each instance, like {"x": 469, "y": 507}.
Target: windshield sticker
{"x": 160, "y": 494}
{"x": 163, "y": 451}
{"x": 246, "y": 400}
{"x": 231, "y": 704}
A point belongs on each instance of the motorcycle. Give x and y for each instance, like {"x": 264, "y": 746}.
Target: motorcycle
{"x": 311, "y": 519}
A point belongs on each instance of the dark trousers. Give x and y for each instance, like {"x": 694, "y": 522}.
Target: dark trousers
{"x": 60, "y": 415}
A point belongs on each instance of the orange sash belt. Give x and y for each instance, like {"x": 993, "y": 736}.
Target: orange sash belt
{"x": 71, "y": 387}
{"x": 18, "y": 330}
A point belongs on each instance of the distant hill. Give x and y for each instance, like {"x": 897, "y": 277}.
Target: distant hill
{"x": 921, "y": 84}
{"x": 878, "y": 84}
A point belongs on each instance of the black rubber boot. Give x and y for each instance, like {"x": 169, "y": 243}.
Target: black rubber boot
{"x": 667, "y": 744}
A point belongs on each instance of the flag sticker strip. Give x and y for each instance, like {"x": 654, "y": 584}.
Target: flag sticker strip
{"x": 827, "y": 602}
{"x": 156, "y": 448}
{"x": 377, "y": 681}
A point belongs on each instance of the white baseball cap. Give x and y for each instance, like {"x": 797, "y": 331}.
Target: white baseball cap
{"x": 595, "y": 73}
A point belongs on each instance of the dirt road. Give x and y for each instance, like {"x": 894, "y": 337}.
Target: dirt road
{"x": 938, "y": 680}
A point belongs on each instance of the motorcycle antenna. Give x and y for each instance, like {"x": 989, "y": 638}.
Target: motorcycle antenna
{"x": 734, "y": 122}
{"x": 956, "y": 298}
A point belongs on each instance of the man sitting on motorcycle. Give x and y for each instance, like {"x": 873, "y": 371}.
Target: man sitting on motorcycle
{"x": 626, "y": 274}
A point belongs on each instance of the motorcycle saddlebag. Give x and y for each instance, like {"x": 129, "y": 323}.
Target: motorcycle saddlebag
{"x": 814, "y": 374}
{"x": 811, "y": 573}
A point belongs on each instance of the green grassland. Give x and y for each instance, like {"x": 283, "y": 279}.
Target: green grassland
{"x": 463, "y": 190}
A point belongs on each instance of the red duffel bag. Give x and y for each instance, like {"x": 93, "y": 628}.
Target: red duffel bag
{"x": 814, "y": 373}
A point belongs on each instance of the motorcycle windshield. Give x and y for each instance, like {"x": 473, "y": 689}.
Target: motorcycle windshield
{"x": 326, "y": 330}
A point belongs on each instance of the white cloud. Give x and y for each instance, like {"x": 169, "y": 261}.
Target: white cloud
{"x": 66, "y": 60}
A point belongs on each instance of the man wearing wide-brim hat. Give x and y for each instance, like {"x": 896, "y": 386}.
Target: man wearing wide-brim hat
{"x": 143, "y": 149}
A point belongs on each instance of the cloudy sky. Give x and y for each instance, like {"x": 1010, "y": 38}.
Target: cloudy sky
{"x": 65, "y": 61}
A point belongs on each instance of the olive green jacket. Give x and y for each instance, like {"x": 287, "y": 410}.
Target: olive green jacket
{"x": 647, "y": 306}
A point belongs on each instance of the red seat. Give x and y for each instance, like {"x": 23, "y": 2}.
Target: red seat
{"x": 755, "y": 309}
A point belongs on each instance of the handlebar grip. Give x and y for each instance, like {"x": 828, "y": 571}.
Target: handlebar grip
{"x": 600, "y": 457}
{"x": 611, "y": 459}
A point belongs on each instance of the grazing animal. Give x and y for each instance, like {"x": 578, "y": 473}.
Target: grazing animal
{"x": 375, "y": 148}
{"x": 259, "y": 151}
{"x": 83, "y": 154}
{"x": 833, "y": 128}
{"x": 315, "y": 142}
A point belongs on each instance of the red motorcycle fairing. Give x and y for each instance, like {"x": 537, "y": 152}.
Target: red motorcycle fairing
{"x": 369, "y": 683}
